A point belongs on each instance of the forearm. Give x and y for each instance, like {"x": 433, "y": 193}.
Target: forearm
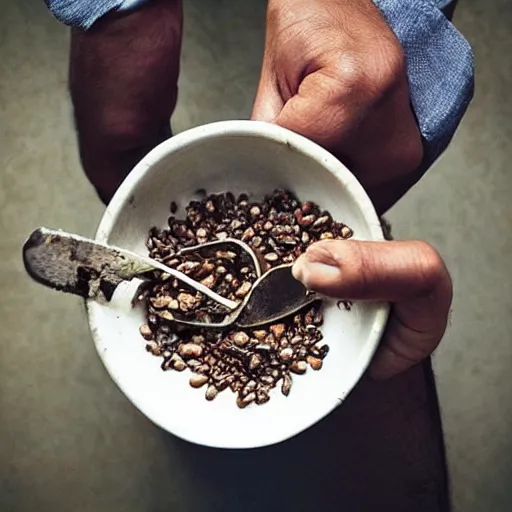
{"x": 123, "y": 83}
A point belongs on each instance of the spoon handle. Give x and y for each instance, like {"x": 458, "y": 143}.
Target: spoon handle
{"x": 81, "y": 266}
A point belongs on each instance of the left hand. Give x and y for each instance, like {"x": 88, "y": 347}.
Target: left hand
{"x": 410, "y": 275}
{"x": 334, "y": 72}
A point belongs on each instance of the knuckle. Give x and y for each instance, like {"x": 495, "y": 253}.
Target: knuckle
{"x": 350, "y": 72}
{"x": 374, "y": 78}
{"x": 362, "y": 277}
{"x": 432, "y": 268}
{"x": 437, "y": 283}
{"x": 429, "y": 257}
{"x": 366, "y": 279}
{"x": 390, "y": 68}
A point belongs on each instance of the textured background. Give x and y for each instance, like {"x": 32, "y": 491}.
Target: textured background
{"x": 68, "y": 439}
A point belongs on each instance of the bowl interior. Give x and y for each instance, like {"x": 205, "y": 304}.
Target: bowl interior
{"x": 239, "y": 157}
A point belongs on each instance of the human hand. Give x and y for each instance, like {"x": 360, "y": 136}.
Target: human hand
{"x": 334, "y": 72}
{"x": 410, "y": 275}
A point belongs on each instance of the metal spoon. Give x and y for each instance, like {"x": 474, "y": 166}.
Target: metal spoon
{"x": 81, "y": 266}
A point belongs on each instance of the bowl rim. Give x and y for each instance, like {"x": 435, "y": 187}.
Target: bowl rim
{"x": 241, "y": 128}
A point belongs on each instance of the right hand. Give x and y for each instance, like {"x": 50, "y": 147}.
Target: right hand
{"x": 123, "y": 81}
{"x": 335, "y": 72}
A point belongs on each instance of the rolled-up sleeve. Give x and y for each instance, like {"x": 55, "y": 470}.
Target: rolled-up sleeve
{"x": 82, "y": 14}
{"x": 439, "y": 68}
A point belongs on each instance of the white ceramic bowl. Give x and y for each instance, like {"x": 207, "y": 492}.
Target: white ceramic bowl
{"x": 237, "y": 156}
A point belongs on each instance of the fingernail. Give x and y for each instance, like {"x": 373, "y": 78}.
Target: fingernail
{"x": 311, "y": 272}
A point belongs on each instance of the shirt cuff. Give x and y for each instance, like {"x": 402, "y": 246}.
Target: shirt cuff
{"x": 440, "y": 69}
{"x": 82, "y": 14}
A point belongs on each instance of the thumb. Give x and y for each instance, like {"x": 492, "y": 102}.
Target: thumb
{"x": 411, "y": 275}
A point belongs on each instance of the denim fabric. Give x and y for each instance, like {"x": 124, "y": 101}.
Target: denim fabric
{"x": 439, "y": 67}
{"x": 439, "y": 59}
{"x": 81, "y": 13}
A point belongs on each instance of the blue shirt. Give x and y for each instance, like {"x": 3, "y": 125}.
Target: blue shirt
{"x": 439, "y": 60}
